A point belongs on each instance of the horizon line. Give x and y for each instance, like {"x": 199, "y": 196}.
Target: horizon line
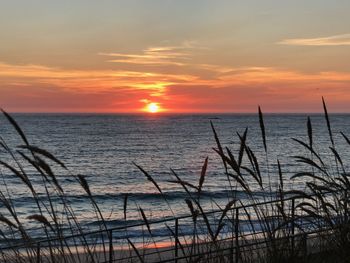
{"x": 167, "y": 113}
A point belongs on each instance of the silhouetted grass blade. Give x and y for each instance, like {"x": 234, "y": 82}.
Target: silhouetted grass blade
{"x": 149, "y": 178}
{"x": 262, "y": 128}
{"x": 16, "y": 126}
{"x": 203, "y": 173}
{"x": 242, "y": 146}
{"x": 43, "y": 152}
{"x": 125, "y": 204}
{"x": 328, "y": 121}
{"x": 83, "y": 182}
{"x": 221, "y": 152}
{"x": 309, "y": 132}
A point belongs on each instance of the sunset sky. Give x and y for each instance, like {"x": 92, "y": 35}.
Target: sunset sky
{"x": 180, "y": 55}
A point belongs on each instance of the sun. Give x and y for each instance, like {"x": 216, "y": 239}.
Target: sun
{"x": 152, "y": 107}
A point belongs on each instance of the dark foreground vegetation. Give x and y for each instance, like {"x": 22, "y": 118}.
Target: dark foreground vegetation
{"x": 310, "y": 224}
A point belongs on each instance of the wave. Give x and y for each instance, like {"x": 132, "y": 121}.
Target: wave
{"x": 159, "y": 231}
{"x": 169, "y": 196}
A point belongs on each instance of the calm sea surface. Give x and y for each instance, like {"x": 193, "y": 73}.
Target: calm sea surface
{"x": 104, "y": 147}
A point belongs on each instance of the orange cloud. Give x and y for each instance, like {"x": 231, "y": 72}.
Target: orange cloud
{"x": 40, "y": 88}
{"x": 337, "y": 40}
{"x": 86, "y": 80}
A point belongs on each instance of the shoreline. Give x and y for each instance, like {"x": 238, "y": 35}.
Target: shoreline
{"x": 165, "y": 251}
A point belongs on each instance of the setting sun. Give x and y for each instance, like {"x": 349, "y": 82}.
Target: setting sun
{"x": 153, "y": 107}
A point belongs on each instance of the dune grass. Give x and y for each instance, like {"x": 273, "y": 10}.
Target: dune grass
{"x": 305, "y": 225}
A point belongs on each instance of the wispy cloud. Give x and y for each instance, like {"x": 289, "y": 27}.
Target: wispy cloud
{"x": 83, "y": 80}
{"x": 151, "y": 56}
{"x": 337, "y": 40}
{"x": 160, "y": 55}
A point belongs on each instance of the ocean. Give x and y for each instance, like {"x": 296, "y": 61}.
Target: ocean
{"x": 104, "y": 149}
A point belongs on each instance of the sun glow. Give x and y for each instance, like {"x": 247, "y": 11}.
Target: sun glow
{"x": 152, "y": 107}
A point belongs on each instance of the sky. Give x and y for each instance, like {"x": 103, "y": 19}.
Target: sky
{"x": 177, "y": 55}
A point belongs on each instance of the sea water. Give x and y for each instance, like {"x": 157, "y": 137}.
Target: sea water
{"x": 105, "y": 149}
